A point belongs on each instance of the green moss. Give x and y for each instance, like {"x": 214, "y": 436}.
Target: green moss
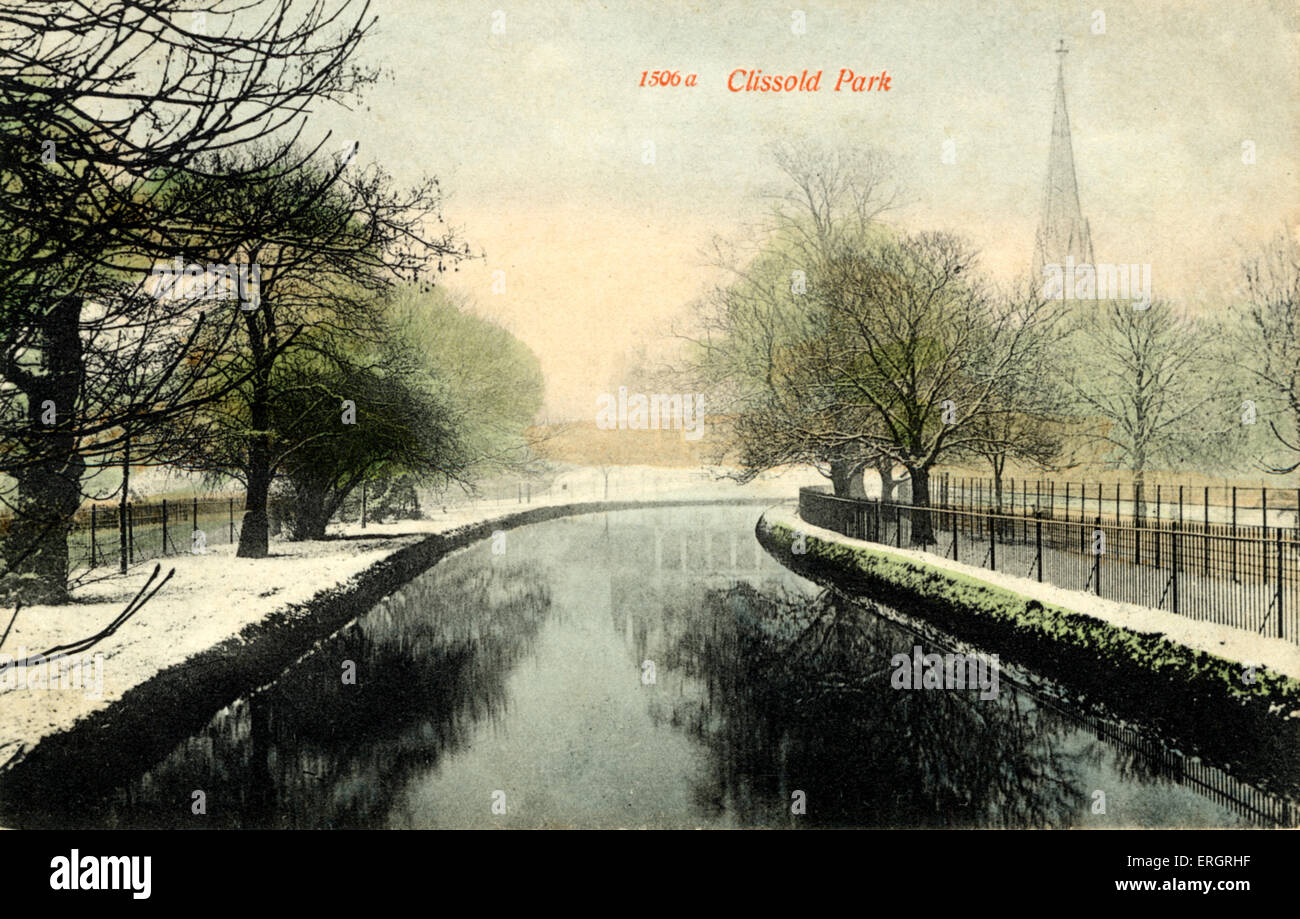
{"x": 1185, "y": 691}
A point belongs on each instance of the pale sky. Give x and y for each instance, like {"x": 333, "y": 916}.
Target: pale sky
{"x": 538, "y": 135}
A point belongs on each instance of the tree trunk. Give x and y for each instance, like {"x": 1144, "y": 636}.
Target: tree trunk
{"x": 999, "y": 465}
{"x": 254, "y": 534}
{"x": 49, "y": 487}
{"x": 36, "y": 545}
{"x": 842, "y": 472}
{"x": 922, "y": 524}
{"x": 123, "y": 508}
{"x": 310, "y": 514}
{"x": 857, "y": 482}
{"x": 1139, "y": 488}
{"x": 885, "y": 469}
{"x": 254, "y": 541}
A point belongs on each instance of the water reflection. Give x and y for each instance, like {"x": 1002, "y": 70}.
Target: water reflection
{"x": 520, "y": 679}
{"x": 312, "y": 751}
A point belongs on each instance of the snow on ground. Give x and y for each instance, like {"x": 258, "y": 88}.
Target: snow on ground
{"x": 1277, "y": 654}
{"x": 212, "y": 597}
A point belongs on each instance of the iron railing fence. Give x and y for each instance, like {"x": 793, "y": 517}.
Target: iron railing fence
{"x": 1220, "y": 504}
{"x": 153, "y": 529}
{"x": 1244, "y": 577}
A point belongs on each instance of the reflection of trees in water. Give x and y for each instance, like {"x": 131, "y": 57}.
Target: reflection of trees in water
{"x": 1129, "y": 763}
{"x": 432, "y": 660}
{"x": 797, "y": 695}
{"x": 1140, "y": 756}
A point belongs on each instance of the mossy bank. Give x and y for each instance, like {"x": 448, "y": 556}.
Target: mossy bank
{"x": 1192, "y": 697}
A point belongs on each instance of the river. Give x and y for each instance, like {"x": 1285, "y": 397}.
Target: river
{"x": 639, "y": 668}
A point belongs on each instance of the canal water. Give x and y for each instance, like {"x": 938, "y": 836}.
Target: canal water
{"x": 639, "y": 669}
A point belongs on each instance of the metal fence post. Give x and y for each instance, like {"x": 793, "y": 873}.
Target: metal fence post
{"x": 1205, "y": 535}
{"x": 1083, "y": 503}
{"x": 232, "y": 519}
{"x": 130, "y": 533}
{"x": 1038, "y": 547}
{"x": 121, "y": 538}
{"x": 993, "y": 544}
{"x": 164, "y": 536}
{"x": 93, "y": 510}
{"x": 1280, "y": 569}
{"x": 1174, "y": 553}
{"x": 1096, "y": 555}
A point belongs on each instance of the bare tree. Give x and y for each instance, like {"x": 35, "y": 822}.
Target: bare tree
{"x": 328, "y": 240}
{"x": 753, "y": 331}
{"x": 1028, "y": 418}
{"x": 1142, "y": 381}
{"x": 102, "y": 105}
{"x": 1267, "y": 331}
{"x": 912, "y": 339}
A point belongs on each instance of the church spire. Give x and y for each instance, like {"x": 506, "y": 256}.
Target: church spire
{"x": 1062, "y": 230}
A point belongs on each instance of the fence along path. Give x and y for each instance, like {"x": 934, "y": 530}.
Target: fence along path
{"x": 1238, "y": 506}
{"x": 152, "y": 530}
{"x": 1243, "y": 577}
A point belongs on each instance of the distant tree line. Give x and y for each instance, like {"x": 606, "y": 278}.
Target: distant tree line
{"x": 843, "y": 343}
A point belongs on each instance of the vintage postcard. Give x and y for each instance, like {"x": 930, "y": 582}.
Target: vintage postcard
{"x": 425, "y": 415}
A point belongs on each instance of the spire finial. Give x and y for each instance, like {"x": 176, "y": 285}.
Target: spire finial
{"x": 1061, "y": 48}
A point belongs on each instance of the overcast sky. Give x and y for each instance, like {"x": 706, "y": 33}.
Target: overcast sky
{"x": 538, "y": 134}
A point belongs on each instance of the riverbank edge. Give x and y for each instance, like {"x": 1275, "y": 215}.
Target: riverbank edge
{"x": 91, "y": 757}
{"x": 1187, "y": 694}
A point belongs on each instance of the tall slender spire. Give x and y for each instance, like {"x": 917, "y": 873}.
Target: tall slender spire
{"x": 1062, "y": 230}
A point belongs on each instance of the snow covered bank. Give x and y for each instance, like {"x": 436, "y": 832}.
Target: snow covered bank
{"x": 1228, "y": 694}
{"x": 1244, "y": 648}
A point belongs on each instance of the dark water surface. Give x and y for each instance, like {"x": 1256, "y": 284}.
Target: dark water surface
{"x": 640, "y": 668}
